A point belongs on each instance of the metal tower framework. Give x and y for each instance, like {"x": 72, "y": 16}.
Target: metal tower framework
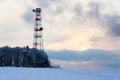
{"x": 38, "y": 37}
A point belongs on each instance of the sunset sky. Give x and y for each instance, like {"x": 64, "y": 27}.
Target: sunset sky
{"x": 89, "y": 29}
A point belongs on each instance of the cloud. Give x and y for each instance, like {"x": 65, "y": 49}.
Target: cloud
{"x": 79, "y": 20}
{"x": 95, "y": 38}
{"x": 110, "y": 21}
{"x": 54, "y": 8}
{"x": 113, "y": 22}
{"x": 94, "y": 9}
{"x": 100, "y": 58}
{"x": 28, "y": 16}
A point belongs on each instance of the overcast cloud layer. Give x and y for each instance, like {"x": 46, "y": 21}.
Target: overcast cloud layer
{"x": 77, "y": 11}
{"x": 75, "y": 24}
{"x": 100, "y": 19}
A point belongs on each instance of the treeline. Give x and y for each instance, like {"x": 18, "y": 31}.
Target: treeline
{"x": 23, "y": 57}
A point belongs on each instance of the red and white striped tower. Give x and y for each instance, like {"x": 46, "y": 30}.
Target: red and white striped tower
{"x": 38, "y": 37}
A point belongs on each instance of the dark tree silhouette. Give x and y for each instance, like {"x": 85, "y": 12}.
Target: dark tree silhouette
{"x": 23, "y": 57}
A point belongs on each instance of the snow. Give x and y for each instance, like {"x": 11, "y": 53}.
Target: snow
{"x": 13, "y": 73}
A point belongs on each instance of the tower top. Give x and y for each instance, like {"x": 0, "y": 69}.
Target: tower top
{"x": 37, "y": 10}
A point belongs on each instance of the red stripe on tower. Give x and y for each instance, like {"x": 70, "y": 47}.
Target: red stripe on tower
{"x": 38, "y": 29}
{"x": 38, "y": 19}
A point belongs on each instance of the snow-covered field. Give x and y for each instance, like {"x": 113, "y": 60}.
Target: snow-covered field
{"x": 9, "y": 73}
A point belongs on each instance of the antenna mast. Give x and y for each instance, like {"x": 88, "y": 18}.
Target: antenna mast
{"x": 38, "y": 37}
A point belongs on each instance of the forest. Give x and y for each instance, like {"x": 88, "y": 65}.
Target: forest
{"x": 23, "y": 57}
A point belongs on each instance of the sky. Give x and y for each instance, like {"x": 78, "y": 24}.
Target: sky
{"x": 81, "y": 34}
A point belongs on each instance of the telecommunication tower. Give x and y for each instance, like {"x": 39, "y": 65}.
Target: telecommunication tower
{"x": 38, "y": 37}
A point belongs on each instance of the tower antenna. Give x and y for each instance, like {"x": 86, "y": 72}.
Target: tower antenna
{"x": 38, "y": 37}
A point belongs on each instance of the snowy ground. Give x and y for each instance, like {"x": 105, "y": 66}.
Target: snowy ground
{"x": 8, "y": 73}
